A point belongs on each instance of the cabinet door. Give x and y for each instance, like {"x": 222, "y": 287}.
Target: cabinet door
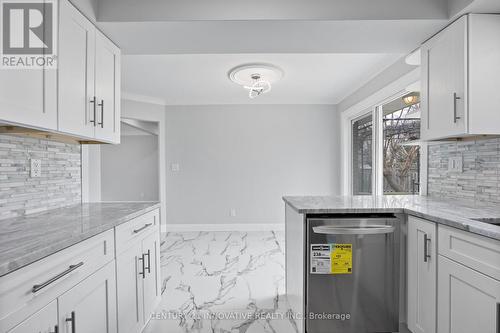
{"x": 444, "y": 67}
{"x": 468, "y": 301}
{"x": 129, "y": 289}
{"x": 422, "y": 260}
{"x": 90, "y": 306}
{"x": 76, "y": 103}
{"x": 28, "y": 97}
{"x": 151, "y": 251}
{"x": 43, "y": 321}
{"x": 107, "y": 81}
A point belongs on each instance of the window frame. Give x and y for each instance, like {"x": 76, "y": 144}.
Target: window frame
{"x": 374, "y": 106}
{"x": 374, "y": 150}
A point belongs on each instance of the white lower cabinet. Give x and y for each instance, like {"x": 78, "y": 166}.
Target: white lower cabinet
{"x": 468, "y": 301}
{"x": 43, "y": 321}
{"x": 453, "y": 280}
{"x": 151, "y": 249}
{"x": 90, "y": 306}
{"x": 88, "y": 287}
{"x": 130, "y": 308}
{"x": 422, "y": 264}
{"x": 137, "y": 272}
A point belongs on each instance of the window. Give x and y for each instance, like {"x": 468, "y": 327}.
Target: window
{"x": 385, "y": 157}
{"x": 401, "y": 160}
{"x": 362, "y": 151}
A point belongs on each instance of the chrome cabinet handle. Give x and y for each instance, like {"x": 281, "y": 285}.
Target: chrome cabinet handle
{"x": 56, "y": 329}
{"x": 354, "y": 230}
{"x": 70, "y": 269}
{"x": 136, "y": 231}
{"x": 498, "y": 317}
{"x": 149, "y": 260}
{"x": 143, "y": 273}
{"x": 455, "y": 98}
{"x": 102, "y": 113}
{"x": 72, "y": 319}
{"x": 427, "y": 240}
{"x": 93, "y": 101}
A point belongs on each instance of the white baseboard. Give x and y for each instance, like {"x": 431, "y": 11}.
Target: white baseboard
{"x": 223, "y": 227}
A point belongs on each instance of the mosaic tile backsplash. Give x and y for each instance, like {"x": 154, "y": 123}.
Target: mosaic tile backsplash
{"x": 58, "y": 186}
{"x": 480, "y": 177}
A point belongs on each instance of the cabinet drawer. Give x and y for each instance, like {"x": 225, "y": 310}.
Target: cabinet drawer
{"x": 474, "y": 251}
{"x": 136, "y": 229}
{"x": 28, "y": 289}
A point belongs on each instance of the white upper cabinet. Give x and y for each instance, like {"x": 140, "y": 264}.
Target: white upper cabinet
{"x": 107, "y": 89}
{"x": 89, "y": 79}
{"x": 76, "y": 72}
{"x": 460, "y": 73}
{"x": 28, "y": 97}
{"x": 81, "y": 98}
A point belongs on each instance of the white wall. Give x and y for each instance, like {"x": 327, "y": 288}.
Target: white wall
{"x": 247, "y": 157}
{"x": 129, "y": 171}
{"x": 91, "y": 155}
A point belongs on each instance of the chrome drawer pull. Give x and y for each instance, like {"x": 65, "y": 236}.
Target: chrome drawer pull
{"x": 455, "y": 117}
{"x": 136, "y": 231}
{"x": 354, "y": 230}
{"x": 93, "y": 101}
{"x": 427, "y": 240}
{"x": 71, "y": 268}
{"x": 149, "y": 261}
{"x": 143, "y": 273}
{"x": 498, "y": 317}
{"x": 72, "y": 319}
{"x": 102, "y": 113}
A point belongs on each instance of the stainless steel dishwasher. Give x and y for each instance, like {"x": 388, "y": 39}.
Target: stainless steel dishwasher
{"x": 352, "y": 281}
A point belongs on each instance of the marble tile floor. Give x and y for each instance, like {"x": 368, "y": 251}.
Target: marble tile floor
{"x": 223, "y": 282}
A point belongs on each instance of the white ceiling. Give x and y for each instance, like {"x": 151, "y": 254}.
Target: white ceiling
{"x": 179, "y": 52}
{"x": 177, "y": 10}
{"x": 203, "y": 79}
{"x": 220, "y": 37}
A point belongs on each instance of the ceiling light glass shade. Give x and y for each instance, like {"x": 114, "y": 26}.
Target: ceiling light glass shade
{"x": 258, "y": 88}
{"x": 414, "y": 58}
{"x": 257, "y": 78}
{"x": 410, "y": 99}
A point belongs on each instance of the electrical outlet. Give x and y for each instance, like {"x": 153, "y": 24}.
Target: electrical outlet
{"x": 36, "y": 168}
{"x": 232, "y": 212}
{"x": 455, "y": 164}
{"x": 175, "y": 167}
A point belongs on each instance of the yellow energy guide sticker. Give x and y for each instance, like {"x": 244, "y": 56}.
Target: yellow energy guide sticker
{"x": 341, "y": 259}
{"x": 331, "y": 258}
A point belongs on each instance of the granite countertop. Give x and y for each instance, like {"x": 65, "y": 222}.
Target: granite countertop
{"x": 454, "y": 213}
{"x": 26, "y": 239}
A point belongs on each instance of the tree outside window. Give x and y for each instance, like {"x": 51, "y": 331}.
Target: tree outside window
{"x": 401, "y": 159}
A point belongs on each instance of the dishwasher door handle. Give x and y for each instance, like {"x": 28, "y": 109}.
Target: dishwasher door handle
{"x": 354, "y": 230}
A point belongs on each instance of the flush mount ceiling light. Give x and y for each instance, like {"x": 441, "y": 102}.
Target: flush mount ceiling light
{"x": 413, "y": 58}
{"x": 256, "y": 78}
{"x": 410, "y": 99}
